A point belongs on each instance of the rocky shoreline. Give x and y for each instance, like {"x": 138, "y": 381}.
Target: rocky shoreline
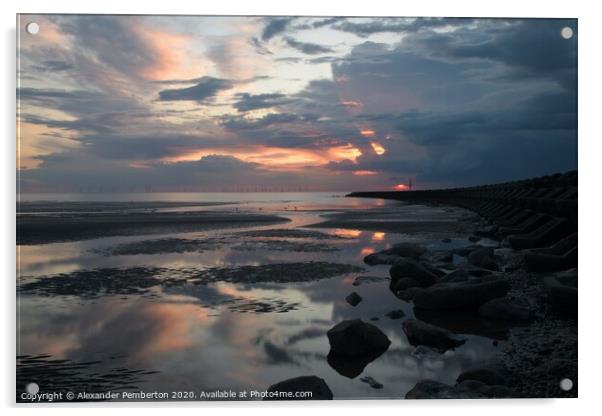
{"x": 524, "y": 286}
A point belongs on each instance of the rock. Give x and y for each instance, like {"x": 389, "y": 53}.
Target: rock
{"x": 483, "y": 257}
{"x": 421, "y": 333}
{"x": 475, "y": 389}
{"x": 465, "y": 251}
{"x": 407, "y": 294}
{"x": 492, "y": 374}
{"x": 373, "y": 383}
{"x": 316, "y": 385}
{"x": 439, "y": 257}
{"x": 432, "y": 268}
{"x": 353, "y": 299}
{"x": 562, "y": 292}
{"x": 403, "y": 284}
{"x": 458, "y": 275}
{"x": 430, "y": 389}
{"x": 462, "y": 321}
{"x": 474, "y": 238}
{"x": 380, "y": 258}
{"x": 354, "y": 338}
{"x": 396, "y": 314}
{"x": 409, "y": 250}
{"x": 505, "y": 309}
{"x": 350, "y": 367}
{"x": 423, "y": 351}
{"x": 476, "y": 271}
{"x": 368, "y": 279}
{"x": 461, "y": 295}
{"x": 487, "y": 231}
{"x": 469, "y": 389}
{"x": 407, "y": 268}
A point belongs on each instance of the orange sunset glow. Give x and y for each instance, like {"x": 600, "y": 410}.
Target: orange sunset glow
{"x": 366, "y": 132}
{"x": 139, "y": 100}
{"x": 378, "y": 149}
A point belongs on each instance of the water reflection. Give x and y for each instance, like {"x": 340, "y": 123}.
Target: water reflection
{"x": 236, "y": 335}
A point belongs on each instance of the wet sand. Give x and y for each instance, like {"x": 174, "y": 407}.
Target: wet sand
{"x": 44, "y": 229}
{"x": 267, "y": 286}
{"x": 432, "y": 220}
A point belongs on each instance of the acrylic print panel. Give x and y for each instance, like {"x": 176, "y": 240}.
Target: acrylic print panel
{"x": 254, "y": 208}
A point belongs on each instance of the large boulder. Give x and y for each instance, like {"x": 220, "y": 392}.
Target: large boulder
{"x": 380, "y": 258}
{"x": 408, "y": 268}
{"x": 409, "y": 250}
{"x": 355, "y": 338}
{"x": 460, "y": 295}
{"x": 405, "y": 283}
{"x": 350, "y": 367}
{"x": 483, "y": 257}
{"x": 421, "y": 333}
{"x": 285, "y": 390}
{"x": 458, "y": 275}
{"x": 437, "y": 257}
{"x": 506, "y": 309}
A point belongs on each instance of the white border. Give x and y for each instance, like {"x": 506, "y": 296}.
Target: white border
{"x": 589, "y": 162}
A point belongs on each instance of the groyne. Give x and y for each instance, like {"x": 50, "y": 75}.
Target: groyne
{"x": 538, "y": 215}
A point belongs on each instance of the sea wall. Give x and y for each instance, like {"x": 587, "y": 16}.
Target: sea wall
{"x": 529, "y": 214}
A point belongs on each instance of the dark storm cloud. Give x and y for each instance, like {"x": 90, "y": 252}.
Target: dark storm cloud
{"x": 531, "y": 47}
{"x": 205, "y": 89}
{"x": 473, "y": 110}
{"x": 307, "y": 48}
{"x": 247, "y": 102}
{"x": 275, "y": 26}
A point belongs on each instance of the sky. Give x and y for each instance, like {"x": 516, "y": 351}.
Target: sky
{"x": 199, "y": 103}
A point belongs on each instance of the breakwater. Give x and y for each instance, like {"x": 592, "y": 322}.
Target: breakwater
{"x": 539, "y": 215}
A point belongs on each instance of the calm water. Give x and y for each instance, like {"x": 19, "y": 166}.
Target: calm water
{"x": 206, "y": 337}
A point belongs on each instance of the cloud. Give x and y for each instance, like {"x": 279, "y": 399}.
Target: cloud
{"x": 369, "y": 27}
{"x": 450, "y": 101}
{"x": 240, "y": 123}
{"x": 259, "y": 47}
{"x": 248, "y": 102}
{"x": 307, "y": 48}
{"x": 527, "y": 47}
{"x": 205, "y": 89}
{"x": 275, "y": 26}
{"x": 54, "y": 66}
